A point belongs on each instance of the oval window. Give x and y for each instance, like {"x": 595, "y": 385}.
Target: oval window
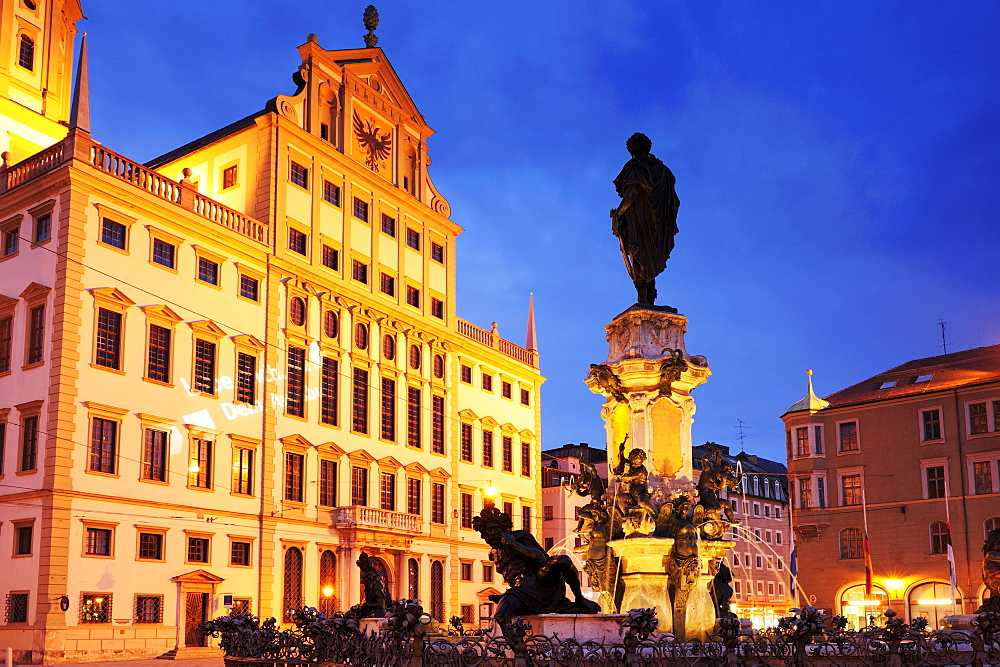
{"x": 331, "y": 324}
{"x": 415, "y": 356}
{"x": 361, "y": 337}
{"x": 439, "y": 366}
{"x": 297, "y": 311}
{"x": 389, "y": 347}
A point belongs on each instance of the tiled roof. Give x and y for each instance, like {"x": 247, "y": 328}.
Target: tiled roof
{"x": 948, "y": 371}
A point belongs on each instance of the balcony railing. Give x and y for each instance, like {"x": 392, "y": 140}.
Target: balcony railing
{"x": 182, "y": 194}
{"x": 493, "y": 340}
{"x": 372, "y": 517}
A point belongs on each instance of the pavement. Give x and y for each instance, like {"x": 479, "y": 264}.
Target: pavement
{"x": 152, "y": 662}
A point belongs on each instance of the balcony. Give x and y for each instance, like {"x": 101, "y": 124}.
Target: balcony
{"x": 356, "y": 516}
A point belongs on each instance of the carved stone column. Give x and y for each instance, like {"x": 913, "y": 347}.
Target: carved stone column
{"x": 647, "y": 380}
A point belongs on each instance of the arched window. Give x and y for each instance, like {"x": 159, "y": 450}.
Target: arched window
{"x": 26, "y": 53}
{"x": 413, "y": 579}
{"x": 939, "y": 537}
{"x": 851, "y": 544}
{"x": 767, "y": 488}
{"x": 991, "y": 524}
{"x": 327, "y": 582}
{"x": 437, "y": 590}
{"x": 756, "y": 486}
{"x": 933, "y": 600}
{"x": 293, "y": 582}
{"x": 858, "y": 607}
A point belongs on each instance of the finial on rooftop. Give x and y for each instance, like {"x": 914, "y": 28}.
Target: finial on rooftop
{"x": 371, "y": 23}
{"x": 811, "y": 401}
{"x": 532, "y": 341}
{"x": 79, "y": 112}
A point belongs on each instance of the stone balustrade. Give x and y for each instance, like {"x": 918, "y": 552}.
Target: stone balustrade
{"x": 493, "y": 340}
{"x": 372, "y": 517}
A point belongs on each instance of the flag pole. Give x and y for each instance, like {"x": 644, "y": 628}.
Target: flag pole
{"x": 951, "y": 550}
{"x": 868, "y": 554}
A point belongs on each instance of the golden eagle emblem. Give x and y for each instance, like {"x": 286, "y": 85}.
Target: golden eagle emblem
{"x": 375, "y": 145}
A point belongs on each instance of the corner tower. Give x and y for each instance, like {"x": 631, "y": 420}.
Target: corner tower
{"x": 36, "y": 65}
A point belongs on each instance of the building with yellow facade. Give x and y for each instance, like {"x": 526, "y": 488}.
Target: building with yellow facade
{"x": 226, "y": 373}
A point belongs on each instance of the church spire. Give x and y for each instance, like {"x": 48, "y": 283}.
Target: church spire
{"x": 532, "y": 342}
{"x": 79, "y": 113}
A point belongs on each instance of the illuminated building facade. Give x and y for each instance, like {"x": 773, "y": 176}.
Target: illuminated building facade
{"x": 228, "y": 371}
{"x": 760, "y": 561}
{"x": 905, "y": 452}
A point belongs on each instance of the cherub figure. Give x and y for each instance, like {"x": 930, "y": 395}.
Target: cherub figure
{"x": 632, "y": 501}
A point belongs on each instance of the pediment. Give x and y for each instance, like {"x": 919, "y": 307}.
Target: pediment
{"x": 415, "y": 468}
{"x": 389, "y": 462}
{"x": 508, "y": 428}
{"x": 361, "y": 455}
{"x": 7, "y": 302}
{"x": 198, "y": 577}
{"x": 295, "y": 441}
{"x": 468, "y": 415}
{"x": 247, "y": 340}
{"x": 207, "y": 327}
{"x": 112, "y": 294}
{"x": 440, "y": 473}
{"x": 331, "y": 448}
{"x": 161, "y": 311}
{"x": 487, "y": 592}
{"x": 490, "y": 422}
{"x": 526, "y": 434}
{"x": 35, "y": 291}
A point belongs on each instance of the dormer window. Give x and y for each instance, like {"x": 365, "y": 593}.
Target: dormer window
{"x": 924, "y": 378}
{"x": 888, "y": 385}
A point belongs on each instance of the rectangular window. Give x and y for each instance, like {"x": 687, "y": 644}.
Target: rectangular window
{"x": 466, "y": 510}
{"x": 387, "y": 492}
{"x": 487, "y": 573}
{"x": 158, "y": 353}
{"x": 935, "y": 482}
{"x": 239, "y": 553}
{"x": 388, "y": 285}
{"x": 412, "y": 238}
{"x": 818, "y": 439}
{"x": 465, "y": 574}
{"x": 197, "y": 549}
{"x": 154, "y": 455}
{"x": 36, "y": 335}
{"x": 249, "y": 287}
{"x": 95, "y": 608}
{"x": 360, "y": 210}
{"x": 488, "y": 449}
{"x": 297, "y": 241}
{"x": 204, "y": 366}
{"x": 229, "y": 176}
{"x": 437, "y": 503}
{"x": 413, "y": 496}
{"x": 98, "y": 542}
{"x": 327, "y": 483}
{"x": 802, "y": 441}
{"x": 11, "y": 237}
{"x": 466, "y": 442}
{"x": 208, "y": 271}
{"x": 103, "y": 445}
{"x": 851, "y": 486}
{"x": 359, "y": 420}
{"x": 200, "y": 467}
{"x": 296, "y": 382}
{"x": 821, "y": 491}
{"x": 6, "y": 343}
{"x": 389, "y": 409}
{"x": 525, "y": 518}
{"x": 932, "y": 424}
{"x": 360, "y": 271}
{"x": 437, "y": 252}
{"x": 466, "y": 374}
{"x": 805, "y": 494}
{"x": 548, "y": 513}
{"x": 23, "y": 536}
{"x": 413, "y": 417}
{"x": 246, "y": 378}
{"x": 508, "y": 454}
{"x": 982, "y": 477}
{"x": 43, "y": 228}
{"x": 977, "y": 419}
{"x": 525, "y": 397}
{"x": 149, "y": 608}
{"x": 526, "y": 459}
{"x": 109, "y": 339}
{"x": 151, "y": 546}
{"x": 506, "y": 389}
{"x": 331, "y": 258}
{"x": 413, "y": 296}
{"x": 487, "y": 382}
{"x": 299, "y": 175}
{"x": 29, "y": 443}
{"x": 328, "y": 391}
{"x": 331, "y": 193}
{"x": 113, "y": 233}
{"x": 164, "y": 253}
{"x": 389, "y": 225}
{"x": 243, "y": 471}
{"x": 437, "y": 424}
{"x": 848, "y": 436}
{"x": 359, "y": 486}
{"x": 437, "y": 310}
{"x": 294, "y": 470}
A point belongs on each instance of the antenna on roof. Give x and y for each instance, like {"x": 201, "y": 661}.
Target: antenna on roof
{"x": 740, "y": 425}
{"x": 944, "y": 341}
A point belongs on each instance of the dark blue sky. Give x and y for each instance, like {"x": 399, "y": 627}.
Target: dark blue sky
{"x": 836, "y": 162}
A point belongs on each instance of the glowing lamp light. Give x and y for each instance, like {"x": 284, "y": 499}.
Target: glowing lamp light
{"x": 490, "y": 490}
{"x": 98, "y": 600}
{"x": 934, "y": 602}
{"x": 328, "y": 591}
{"x": 894, "y": 584}
{"x": 193, "y": 468}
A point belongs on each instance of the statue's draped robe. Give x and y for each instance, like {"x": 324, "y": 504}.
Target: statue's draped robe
{"x": 647, "y": 219}
{"x": 538, "y": 593}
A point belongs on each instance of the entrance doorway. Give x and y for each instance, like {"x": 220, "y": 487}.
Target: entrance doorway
{"x": 195, "y": 610}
